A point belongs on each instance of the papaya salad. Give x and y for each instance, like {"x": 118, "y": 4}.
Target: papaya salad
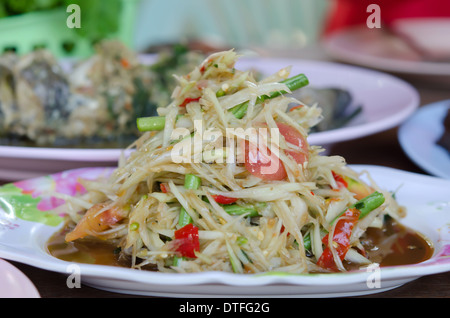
{"x": 184, "y": 200}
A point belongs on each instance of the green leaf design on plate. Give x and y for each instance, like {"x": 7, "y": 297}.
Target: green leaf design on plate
{"x": 24, "y": 206}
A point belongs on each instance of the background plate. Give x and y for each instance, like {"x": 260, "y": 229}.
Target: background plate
{"x": 375, "y": 48}
{"x": 418, "y": 137}
{"x": 14, "y": 283}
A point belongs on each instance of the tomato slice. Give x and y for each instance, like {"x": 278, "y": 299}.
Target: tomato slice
{"x": 187, "y": 241}
{"x": 263, "y": 164}
{"x": 292, "y": 136}
{"x": 221, "y": 199}
{"x": 268, "y": 166}
{"x": 341, "y": 237}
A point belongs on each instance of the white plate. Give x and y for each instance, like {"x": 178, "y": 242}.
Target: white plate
{"x": 426, "y": 36}
{"x": 418, "y": 137}
{"x": 386, "y": 102}
{"x": 425, "y": 197}
{"x": 380, "y": 50}
{"x": 14, "y": 283}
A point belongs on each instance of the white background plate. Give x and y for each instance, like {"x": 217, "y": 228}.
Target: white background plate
{"x": 425, "y": 197}
{"x": 14, "y": 283}
{"x": 419, "y": 134}
{"x": 377, "y": 49}
{"x": 387, "y": 101}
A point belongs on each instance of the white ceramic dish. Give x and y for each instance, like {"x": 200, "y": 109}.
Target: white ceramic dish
{"x": 426, "y": 198}
{"x": 419, "y": 134}
{"x": 14, "y": 283}
{"x": 386, "y": 100}
{"x": 426, "y": 36}
{"x": 377, "y": 49}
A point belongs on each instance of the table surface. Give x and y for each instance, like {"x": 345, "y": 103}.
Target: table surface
{"x": 378, "y": 149}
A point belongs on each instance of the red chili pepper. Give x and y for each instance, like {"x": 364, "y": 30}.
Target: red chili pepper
{"x": 341, "y": 237}
{"x": 125, "y": 63}
{"x": 164, "y": 187}
{"x": 189, "y": 100}
{"x": 283, "y": 229}
{"x": 296, "y": 107}
{"x": 339, "y": 180}
{"x": 205, "y": 65}
{"x": 187, "y": 241}
{"x": 223, "y": 199}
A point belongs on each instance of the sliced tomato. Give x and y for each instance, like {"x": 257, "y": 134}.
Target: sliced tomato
{"x": 221, "y": 199}
{"x": 299, "y": 157}
{"x": 187, "y": 240}
{"x": 341, "y": 238}
{"x": 292, "y": 136}
{"x": 263, "y": 164}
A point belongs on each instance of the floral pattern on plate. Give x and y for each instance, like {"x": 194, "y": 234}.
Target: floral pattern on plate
{"x": 34, "y": 199}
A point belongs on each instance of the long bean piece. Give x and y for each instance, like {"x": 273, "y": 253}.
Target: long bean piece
{"x": 156, "y": 123}
{"x": 190, "y": 182}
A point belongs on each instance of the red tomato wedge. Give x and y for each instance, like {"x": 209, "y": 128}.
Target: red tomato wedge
{"x": 292, "y": 136}
{"x": 263, "y": 164}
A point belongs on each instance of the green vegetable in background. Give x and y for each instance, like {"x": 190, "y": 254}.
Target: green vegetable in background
{"x": 99, "y": 18}
{"x": 3, "y": 12}
{"x": 19, "y": 6}
{"x": 15, "y": 7}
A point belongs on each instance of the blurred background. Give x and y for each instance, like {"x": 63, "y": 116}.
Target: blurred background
{"x": 144, "y": 24}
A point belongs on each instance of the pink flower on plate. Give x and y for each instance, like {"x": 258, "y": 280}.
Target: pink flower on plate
{"x": 445, "y": 252}
{"x": 64, "y": 182}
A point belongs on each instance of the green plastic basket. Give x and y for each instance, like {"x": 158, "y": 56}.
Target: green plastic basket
{"x": 24, "y": 33}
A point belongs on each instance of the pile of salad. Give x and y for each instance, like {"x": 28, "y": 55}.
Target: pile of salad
{"x": 223, "y": 179}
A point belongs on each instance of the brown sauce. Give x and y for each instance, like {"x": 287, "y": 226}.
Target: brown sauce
{"x": 88, "y": 251}
{"x": 394, "y": 244}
